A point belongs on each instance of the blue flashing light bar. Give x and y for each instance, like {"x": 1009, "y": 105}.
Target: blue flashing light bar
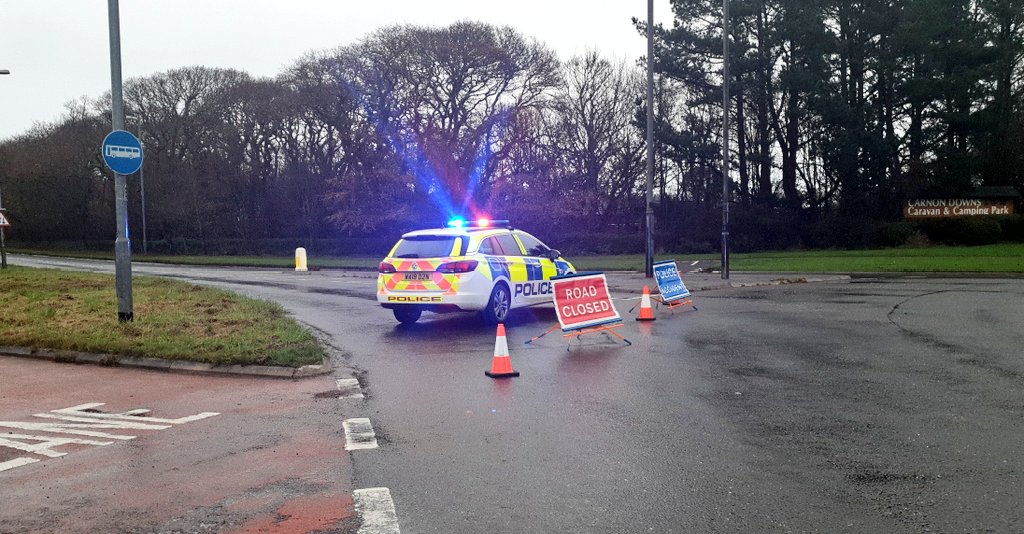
{"x": 482, "y": 222}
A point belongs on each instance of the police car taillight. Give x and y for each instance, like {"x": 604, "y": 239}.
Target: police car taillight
{"x": 386, "y": 267}
{"x": 457, "y": 267}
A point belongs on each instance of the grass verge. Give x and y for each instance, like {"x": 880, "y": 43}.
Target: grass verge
{"x": 61, "y": 310}
{"x": 1002, "y": 258}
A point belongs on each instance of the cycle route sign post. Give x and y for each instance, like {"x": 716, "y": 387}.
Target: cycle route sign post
{"x": 122, "y": 152}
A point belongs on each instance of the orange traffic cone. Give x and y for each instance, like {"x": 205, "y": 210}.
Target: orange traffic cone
{"x": 501, "y": 366}
{"x": 646, "y": 311}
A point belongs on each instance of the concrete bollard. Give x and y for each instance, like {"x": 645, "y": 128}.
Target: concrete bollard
{"x": 300, "y": 260}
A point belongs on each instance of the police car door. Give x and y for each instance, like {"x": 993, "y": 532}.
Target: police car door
{"x": 539, "y": 268}
{"x": 512, "y": 257}
{"x": 494, "y": 257}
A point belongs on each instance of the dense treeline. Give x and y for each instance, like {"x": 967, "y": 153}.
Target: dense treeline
{"x": 842, "y": 111}
{"x": 845, "y": 108}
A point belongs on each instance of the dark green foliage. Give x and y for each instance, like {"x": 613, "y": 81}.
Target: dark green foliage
{"x": 842, "y": 111}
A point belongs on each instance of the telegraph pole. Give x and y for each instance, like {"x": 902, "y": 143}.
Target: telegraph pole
{"x": 3, "y": 248}
{"x": 649, "y": 218}
{"x": 725, "y": 140}
{"x": 122, "y": 247}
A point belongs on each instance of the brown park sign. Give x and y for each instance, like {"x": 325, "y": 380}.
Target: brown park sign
{"x": 955, "y": 207}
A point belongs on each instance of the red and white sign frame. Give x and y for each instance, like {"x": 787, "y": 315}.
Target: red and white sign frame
{"x": 583, "y": 301}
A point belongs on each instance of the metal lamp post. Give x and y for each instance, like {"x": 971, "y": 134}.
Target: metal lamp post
{"x": 3, "y": 248}
{"x": 122, "y": 247}
{"x": 649, "y": 215}
{"x": 725, "y": 140}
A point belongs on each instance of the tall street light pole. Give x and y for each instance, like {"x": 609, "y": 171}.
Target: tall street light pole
{"x": 3, "y": 247}
{"x": 649, "y": 219}
{"x": 725, "y": 140}
{"x": 122, "y": 247}
{"x": 142, "y": 190}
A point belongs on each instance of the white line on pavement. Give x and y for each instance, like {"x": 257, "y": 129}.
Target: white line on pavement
{"x": 359, "y": 434}
{"x": 377, "y": 511}
{"x": 17, "y": 462}
{"x": 128, "y": 416}
{"x": 349, "y": 388}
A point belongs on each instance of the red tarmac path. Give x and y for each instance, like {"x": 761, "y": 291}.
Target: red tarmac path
{"x": 273, "y": 460}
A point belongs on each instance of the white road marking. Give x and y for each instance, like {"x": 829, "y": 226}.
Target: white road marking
{"x": 349, "y": 388}
{"x": 97, "y": 422}
{"x": 692, "y": 263}
{"x": 17, "y": 462}
{"x": 128, "y": 416}
{"x": 65, "y": 428}
{"x": 377, "y": 511}
{"x": 80, "y": 422}
{"x": 359, "y": 434}
{"x": 17, "y": 441}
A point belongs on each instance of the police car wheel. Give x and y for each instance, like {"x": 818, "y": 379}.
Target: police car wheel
{"x": 498, "y": 305}
{"x": 407, "y": 315}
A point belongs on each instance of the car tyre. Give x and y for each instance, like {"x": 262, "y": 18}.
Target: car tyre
{"x": 407, "y": 315}
{"x": 498, "y": 305}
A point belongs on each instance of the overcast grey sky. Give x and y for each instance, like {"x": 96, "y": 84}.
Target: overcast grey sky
{"x": 58, "y": 50}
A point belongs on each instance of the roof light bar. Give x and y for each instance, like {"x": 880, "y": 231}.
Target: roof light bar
{"x": 482, "y": 222}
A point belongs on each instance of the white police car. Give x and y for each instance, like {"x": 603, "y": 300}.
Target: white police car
{"x": 487, "y": 266}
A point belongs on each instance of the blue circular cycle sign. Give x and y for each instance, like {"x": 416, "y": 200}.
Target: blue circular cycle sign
{"x": 122, "y": 152}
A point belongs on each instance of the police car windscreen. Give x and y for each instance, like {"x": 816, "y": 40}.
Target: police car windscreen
{"x": 425, "y": 246}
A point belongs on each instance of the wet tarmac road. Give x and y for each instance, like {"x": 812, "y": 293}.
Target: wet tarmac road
{"x": 868, "y": 405}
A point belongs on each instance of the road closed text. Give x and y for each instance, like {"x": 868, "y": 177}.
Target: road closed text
{"x": 587, "y": 308}
{"x": 583, "y": 300}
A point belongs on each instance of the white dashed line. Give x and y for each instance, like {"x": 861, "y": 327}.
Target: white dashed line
{"x": 359, "y": 434}
{"x": 349, "y": 388}
{"x": 377, "y": 511}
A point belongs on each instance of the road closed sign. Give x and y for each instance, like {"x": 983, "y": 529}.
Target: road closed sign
{"x": 582, "y": 300}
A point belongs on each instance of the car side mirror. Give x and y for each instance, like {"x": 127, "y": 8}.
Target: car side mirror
{"x": 554, "y": 254}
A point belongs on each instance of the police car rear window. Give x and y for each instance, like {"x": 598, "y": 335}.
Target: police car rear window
{"x": 426, "y": 246}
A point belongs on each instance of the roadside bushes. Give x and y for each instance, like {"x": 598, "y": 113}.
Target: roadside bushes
{"x": 342, "y": 246}
{"x": 689, "y": 233}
